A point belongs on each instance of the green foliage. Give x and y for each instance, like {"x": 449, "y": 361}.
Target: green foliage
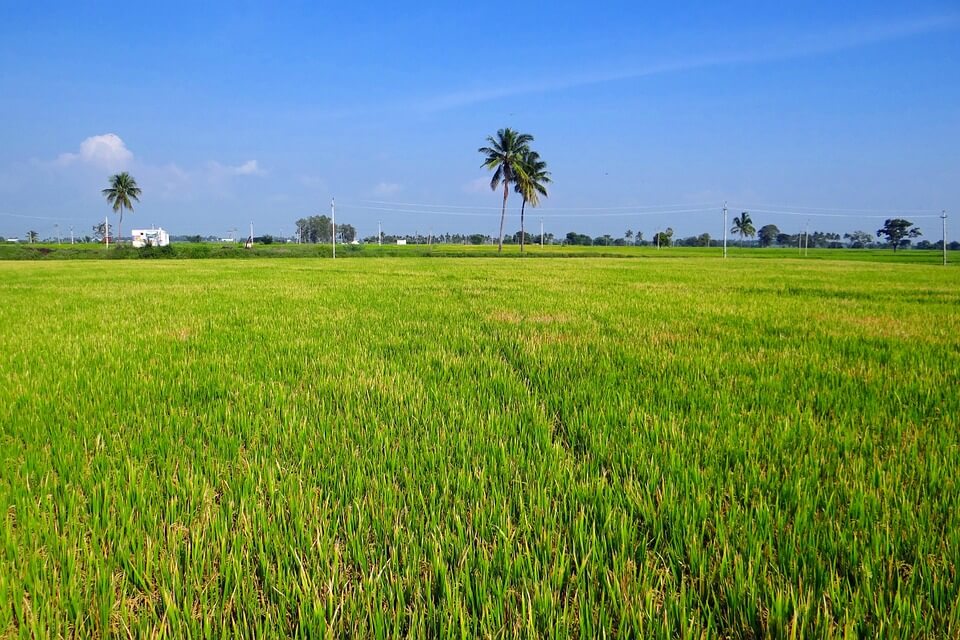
{"x": 859, "y": 239}
{"x": 120, "y": 195}
{"x": 531, "y": 183}
{"x": 663, "y": 238}
{"x": 768, "y": 235}
{"x": 394, "y": 448}
{"x": 575, "y": 238}
{"x": 743, "y": 226}
{"x": 898, "y": 232}
{"x": 151, "y": 251}
{"x": 505, "y": 156}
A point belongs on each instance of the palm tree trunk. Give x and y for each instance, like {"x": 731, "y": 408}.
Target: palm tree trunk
{"x": 503, "y": 214}
{"x": 522, "y": 207}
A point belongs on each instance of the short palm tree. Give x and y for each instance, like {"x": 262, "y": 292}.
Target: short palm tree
{"x": 504, "y": 157}
{"x": 123, "y": 188}
{"x": 531, "y": 183}
{"x": 32, "y": 236}
{"x": 743, "y": 226}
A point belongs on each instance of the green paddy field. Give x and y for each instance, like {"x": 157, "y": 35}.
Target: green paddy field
{"x": 680, "y": 447}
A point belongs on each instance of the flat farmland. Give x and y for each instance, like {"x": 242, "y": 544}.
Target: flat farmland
{"x": 443, "y": 447}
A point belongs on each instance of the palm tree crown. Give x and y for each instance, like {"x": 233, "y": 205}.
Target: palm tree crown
{"x": 743, "y": 226}
{"x": 504, "y": 156}
{"x": 531, "y": 183}
{"x": 123, "y": 188}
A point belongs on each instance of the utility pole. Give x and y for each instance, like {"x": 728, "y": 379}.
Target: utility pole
{"x": 106, "y": 231}
{"x": 943, "y": 218}
{"x": 806, "y": 240}
{"x": 724, "y": 229}
{"x": 379, "y": 234}
{"x": 541, "y": 233}
{"x": 333, "y": 227}
{"x": 57, "y": 228}
{"x": 71, "y": 234}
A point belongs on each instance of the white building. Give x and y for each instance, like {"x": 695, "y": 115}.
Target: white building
{"x": 150, "y": 238}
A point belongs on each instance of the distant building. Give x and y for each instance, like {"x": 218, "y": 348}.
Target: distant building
{"x": 150, "y": 238}
{"x": 401, "y": 242}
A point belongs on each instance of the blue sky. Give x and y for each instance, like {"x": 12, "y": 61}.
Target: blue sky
{"x": 232, "y": 112}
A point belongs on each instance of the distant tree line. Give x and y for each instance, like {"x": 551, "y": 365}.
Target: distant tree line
{"x": 314, "y": 229}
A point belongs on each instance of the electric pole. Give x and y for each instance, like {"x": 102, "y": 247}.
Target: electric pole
{"x": 379, "y": 234}
{"x": 333, "y": 226}
{"x": 71, "y": 234}
{"x": 806, "y": 240}
{"x": 943, "y": 218}
{"x": 57, "y": 228}
{"x": 541, "y": 233}
{"x": 724, "y": 229}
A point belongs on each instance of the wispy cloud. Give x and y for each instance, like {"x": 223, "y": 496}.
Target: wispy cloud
{"x": 773, "y": 48}
{"x": 387, "y": 189}
{"x": 248, "y": 168}
{"x": 477, "y": 185}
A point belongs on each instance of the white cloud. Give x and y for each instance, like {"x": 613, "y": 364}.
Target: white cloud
{"x": 387, "y": 189}
{"x": 477, "y": 185}
{"x": 313, "y": 182}
{"x": 248, "y": 168}
{"x": 107, "y": 151}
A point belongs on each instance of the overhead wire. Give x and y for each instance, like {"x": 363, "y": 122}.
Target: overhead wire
{"x": 489, "y": 208}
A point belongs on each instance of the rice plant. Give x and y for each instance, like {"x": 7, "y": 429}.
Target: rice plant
{"x": 407, "y": 447}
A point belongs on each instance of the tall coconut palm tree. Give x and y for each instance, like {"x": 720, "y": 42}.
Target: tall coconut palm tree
{"x": 123, "y": 188}
{"x": 531, "y": 183}
{"x": 32, "y": 236}
{"x": 504, "y": 157}
{"x": 743, "y": 226}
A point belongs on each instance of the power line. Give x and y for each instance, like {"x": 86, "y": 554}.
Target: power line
{"x": 487, "y": 208}
{"x": 15, "y": 215}
{"x": 828, "y": 215}
{"x": 626, "y": 214}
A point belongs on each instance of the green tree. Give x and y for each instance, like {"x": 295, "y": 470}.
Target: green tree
{"x": 898, "y": 232}
{"x": 32, "y": 236}
{"x": 768, "y": 234}
{"x": 314, "y": 229}
{"x": 504, "y": 157}
{"x": 346, "y": 233}
{"x": 101, "y": 230}
{"x": 859, "y": 239}
{"x": 628, "y": 235}
{"x": 122, "y": 190}
{"x": 743, "y": 226}
{"x": 531, "y": 183}
{"x": 663, "y": 238}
